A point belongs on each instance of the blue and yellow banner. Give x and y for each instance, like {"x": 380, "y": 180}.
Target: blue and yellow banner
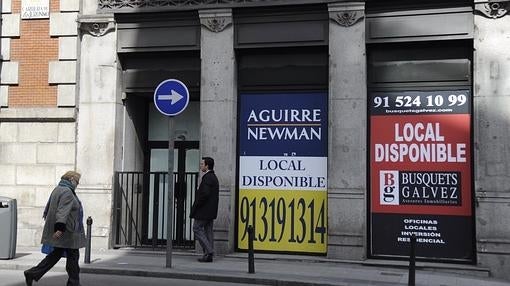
{"x": 283, "y": 145}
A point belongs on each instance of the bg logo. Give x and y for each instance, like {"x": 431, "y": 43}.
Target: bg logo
{"x": 388, "y": 188}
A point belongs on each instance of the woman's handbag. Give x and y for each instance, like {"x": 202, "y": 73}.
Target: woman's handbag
{"x": 47, "y": 249}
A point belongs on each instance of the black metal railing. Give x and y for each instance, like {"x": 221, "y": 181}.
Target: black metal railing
{"x": 140, "y": 208}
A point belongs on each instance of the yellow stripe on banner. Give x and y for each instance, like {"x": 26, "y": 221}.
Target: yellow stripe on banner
{"x": 284, "y": 220}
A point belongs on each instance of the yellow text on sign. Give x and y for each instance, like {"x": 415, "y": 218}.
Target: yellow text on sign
{"x": 284, "y": 220}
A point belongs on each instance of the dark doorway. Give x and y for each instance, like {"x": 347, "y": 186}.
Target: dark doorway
{"x": 186, "y": 161}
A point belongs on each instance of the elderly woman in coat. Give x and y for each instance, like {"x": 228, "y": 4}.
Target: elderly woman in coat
{"x": 63, "y": 231}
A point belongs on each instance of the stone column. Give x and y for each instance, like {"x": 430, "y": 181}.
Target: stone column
{"x": 99, "y": 104}
{"x": 218, "y": 114}
{"x": 491, "y": 135}
{"x": 347, "y": 131}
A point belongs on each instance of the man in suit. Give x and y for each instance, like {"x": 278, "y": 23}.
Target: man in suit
{"x": 205, "y": 208}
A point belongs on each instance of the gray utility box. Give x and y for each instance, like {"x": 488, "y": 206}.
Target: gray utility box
{"x": 8, "y": 227}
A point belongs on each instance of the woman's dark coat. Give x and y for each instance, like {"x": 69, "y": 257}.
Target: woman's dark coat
{"x": 64, "y": 208}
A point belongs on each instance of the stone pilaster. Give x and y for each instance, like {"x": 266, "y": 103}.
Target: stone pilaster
{"x": 491, "y": 136}
{"x": 347, "y": 131}
{"x": 218, "y": 114}
{"x": 99, "y": 106}
{"x": 89, "y": 7}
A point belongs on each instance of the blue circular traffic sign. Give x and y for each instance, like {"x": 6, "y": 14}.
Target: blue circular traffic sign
{"x": 171, "y": 97}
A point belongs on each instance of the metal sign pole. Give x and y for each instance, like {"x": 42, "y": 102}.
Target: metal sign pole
{"x": 171, "y": 97}
{"x": 170, "y": 197}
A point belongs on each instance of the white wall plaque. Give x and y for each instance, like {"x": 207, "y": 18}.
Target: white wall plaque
{"x": 35, "y": 9}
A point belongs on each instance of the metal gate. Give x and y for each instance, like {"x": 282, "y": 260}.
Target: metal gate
{"x": 139, "y": 215}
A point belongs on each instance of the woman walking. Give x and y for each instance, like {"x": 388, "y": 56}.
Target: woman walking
{"x": 63, "y": 231}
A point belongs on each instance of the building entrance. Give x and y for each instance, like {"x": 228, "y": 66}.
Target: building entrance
{"x": 140, "y": 197}
{"x": 186, "y": 164}
{"x": 149, "y": 54}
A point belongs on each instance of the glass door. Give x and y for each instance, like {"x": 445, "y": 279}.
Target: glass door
{"x": 185, "y": 178}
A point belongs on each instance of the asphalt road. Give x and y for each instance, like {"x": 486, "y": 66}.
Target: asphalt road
{"x": 52, "y": 278}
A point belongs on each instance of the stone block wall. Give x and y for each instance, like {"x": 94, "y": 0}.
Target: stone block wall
{"x": 33, "y": 156}
{"x": 37, "y": 115}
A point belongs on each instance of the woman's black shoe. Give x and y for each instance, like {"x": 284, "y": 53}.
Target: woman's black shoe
{"x": 28, "y": 279}
{"x": 206, "y": 258}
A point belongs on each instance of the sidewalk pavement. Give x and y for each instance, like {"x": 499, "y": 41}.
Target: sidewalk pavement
{"x": 270, "y": 269}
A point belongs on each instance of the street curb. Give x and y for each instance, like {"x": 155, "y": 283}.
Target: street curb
{"x": 243, "y": 278}
{"x": 231, "y": 278}
{"x": 185, "y": 276}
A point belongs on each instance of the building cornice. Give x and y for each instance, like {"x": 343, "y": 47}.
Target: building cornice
{"x": 135, "y": 6}
{"x": 38, "y": 114}
{"x": 492, "y": 9}
{"x": 97, "y": 26}
{"x": 216, "y": 20}
{"x": 347, "y": 14}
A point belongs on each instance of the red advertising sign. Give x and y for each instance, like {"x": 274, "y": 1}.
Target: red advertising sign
{"x": 420, "y": 174}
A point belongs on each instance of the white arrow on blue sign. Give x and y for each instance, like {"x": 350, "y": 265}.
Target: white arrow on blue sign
{"x": 171, "y": 97}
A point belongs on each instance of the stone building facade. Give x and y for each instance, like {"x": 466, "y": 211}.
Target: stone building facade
{"x": 73, "y": 85}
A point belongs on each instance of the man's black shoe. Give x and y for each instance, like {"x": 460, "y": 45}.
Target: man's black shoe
{"x": 206, "y": 258}
{"x": 28, "y": 279}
